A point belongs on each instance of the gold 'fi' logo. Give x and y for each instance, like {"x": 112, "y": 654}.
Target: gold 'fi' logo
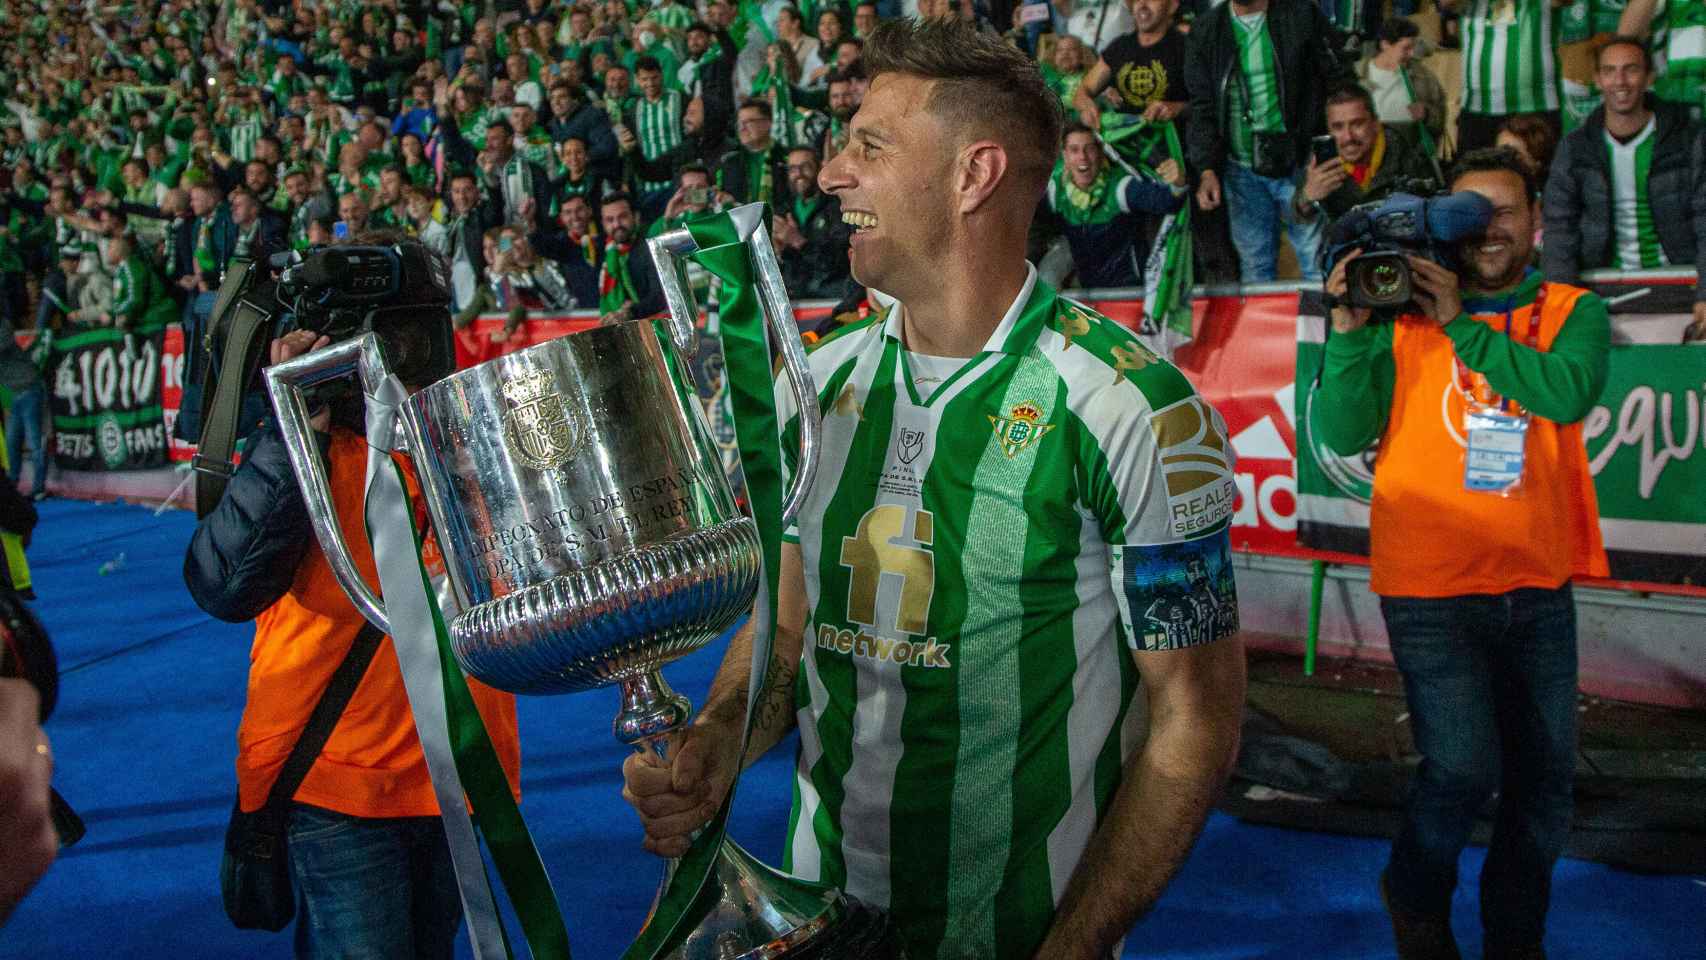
{"x": 539, "y": 428}
{"x": 1019, "y": 428}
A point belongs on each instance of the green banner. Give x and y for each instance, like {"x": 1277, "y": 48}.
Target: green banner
{"x": 106, "y": 400}
{"x": 1646, "y": 445}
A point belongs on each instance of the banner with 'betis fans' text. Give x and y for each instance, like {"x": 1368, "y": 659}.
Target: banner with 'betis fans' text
{"x": 107, "y": 413}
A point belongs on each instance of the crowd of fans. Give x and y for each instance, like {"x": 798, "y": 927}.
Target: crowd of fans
{"x": 536, "y": 143}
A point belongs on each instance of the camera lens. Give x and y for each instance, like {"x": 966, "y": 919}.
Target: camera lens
{"x": 1381, "y": 283}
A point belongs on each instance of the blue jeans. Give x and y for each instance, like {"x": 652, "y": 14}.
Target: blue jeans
{"x": 1257, "y": 207}
{"x": 1491, "y": 685}
{"x": 25, "y": 427}
{"x": 372, "y": 888}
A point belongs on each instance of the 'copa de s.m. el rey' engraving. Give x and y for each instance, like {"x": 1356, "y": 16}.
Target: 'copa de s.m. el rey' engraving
{"x": 568, "y": 533}
{"x": 540, "y": 429}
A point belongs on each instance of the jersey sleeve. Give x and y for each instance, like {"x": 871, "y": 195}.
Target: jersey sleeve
{"x": 1163, "y": 496}
{"x": 1139, "y": 195}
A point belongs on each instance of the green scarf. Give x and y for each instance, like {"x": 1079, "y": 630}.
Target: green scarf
{"x": 615, "y": 285}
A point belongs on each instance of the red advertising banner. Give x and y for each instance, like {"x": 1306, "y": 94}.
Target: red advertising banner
{"x": 172, "y": 392}
{"x": 1243, "y": 362}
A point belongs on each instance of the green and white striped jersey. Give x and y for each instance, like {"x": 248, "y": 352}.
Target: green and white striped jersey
{"x": 1510, "y": 56}
{"x": 979, "y": 552}
{"x": 242, "y": 132}
{"x": 1635, "y": 242}
{"x": 1252, "y": 97}
{"x": 658, "y": 128}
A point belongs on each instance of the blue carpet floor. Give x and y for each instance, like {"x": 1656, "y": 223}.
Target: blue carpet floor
{"x": 144, "y": 737}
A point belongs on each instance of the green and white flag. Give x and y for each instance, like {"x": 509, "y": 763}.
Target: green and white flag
{"x": 1169, "y": 273}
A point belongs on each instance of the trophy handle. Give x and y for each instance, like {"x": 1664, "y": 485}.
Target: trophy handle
{"x": 666, "y": 250}
{"x": 287, "y": 382}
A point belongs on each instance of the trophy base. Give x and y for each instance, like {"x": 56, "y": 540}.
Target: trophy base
{"x": 761, "y": 914}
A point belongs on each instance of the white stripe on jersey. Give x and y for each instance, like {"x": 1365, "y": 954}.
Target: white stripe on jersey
{"x": 1117, "y": 414}
{"x": 868, "y": 787}
{"x": 832, "y": 460}
{"x": 1626, "y": 197}
{"x": 1095, "y": 701}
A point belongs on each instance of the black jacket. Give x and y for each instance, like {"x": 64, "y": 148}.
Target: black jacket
{"x": 1308, "y": 69}
{"x": 1580, "y": 226}
{"x": 731, "y": 174}
{"x": 592, "y": 126}
{"x": 648, "y": 289}
{"x": 486, "y": 214}
{"x": 1403, "y": 166}
{"x": 818, "y": 270}
{"x": 582, "y": 276}
{"x": 244, "y": 554}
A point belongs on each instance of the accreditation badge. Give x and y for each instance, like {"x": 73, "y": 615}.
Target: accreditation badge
{"x": 1495, "y": 442}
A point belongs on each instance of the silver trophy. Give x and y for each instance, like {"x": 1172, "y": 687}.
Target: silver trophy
{"x": 590, "y": 537}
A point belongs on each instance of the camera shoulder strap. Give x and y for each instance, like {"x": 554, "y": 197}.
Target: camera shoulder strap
{"x": 224, "y": 386}
{"x": 339, "y": 691}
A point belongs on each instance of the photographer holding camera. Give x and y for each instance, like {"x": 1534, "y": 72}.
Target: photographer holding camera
{"x": 1483, "y": 510}
{"x": 367, "y": 852}
{"x": 1369, "y": 161}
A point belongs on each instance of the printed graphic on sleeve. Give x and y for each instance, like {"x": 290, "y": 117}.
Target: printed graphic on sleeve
{"x": 1176, "y": 595}
{"x": 1197, "y": 465}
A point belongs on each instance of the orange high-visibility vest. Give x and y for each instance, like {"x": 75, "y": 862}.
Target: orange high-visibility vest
{"x": 1430, "y": 537}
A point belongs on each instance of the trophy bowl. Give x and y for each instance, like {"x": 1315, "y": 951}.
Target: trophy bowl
{"x": 590, "y": 537}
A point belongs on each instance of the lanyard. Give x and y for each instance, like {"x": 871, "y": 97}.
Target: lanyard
{"x": 1473, "y": 386}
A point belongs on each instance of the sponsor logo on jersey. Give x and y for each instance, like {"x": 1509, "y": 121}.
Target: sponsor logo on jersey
{"x": 1072, "y": 322}
{"x": 878, "y": 549}
{"x": 869, "y": 646}
{"x": 1019, "y": 429}
{"x": 1130, "y": 356}
{"x": 1196, "y": 464}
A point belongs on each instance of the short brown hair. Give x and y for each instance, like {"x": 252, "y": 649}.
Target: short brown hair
{"x": 1624, "y": 40}
{"x": 982, "y": 84}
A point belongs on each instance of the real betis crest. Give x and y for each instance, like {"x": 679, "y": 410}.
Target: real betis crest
{"x": 539, "y": 428}
{"x": 1019, "y": 428}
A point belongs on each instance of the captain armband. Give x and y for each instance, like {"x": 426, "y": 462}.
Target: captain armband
{"x": 1175, "y": 595}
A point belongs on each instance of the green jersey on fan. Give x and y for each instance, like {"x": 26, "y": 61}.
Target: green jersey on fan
{"x": 1510, "y": 56}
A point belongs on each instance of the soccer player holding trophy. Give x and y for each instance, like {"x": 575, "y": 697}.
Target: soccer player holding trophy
{"x": 1019, "y": 513}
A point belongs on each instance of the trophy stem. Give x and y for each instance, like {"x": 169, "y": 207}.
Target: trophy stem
{"x": 650, "y": 712}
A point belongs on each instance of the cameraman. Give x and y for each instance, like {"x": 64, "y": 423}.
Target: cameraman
{"x": 367, "y": 849}
{"x": 1475, "y": 586}
{"x": 1374, "y": 160}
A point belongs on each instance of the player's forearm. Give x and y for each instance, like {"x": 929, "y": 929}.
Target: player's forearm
{"x": 731, "y": 689}
{"x": 1149, "y": 830}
